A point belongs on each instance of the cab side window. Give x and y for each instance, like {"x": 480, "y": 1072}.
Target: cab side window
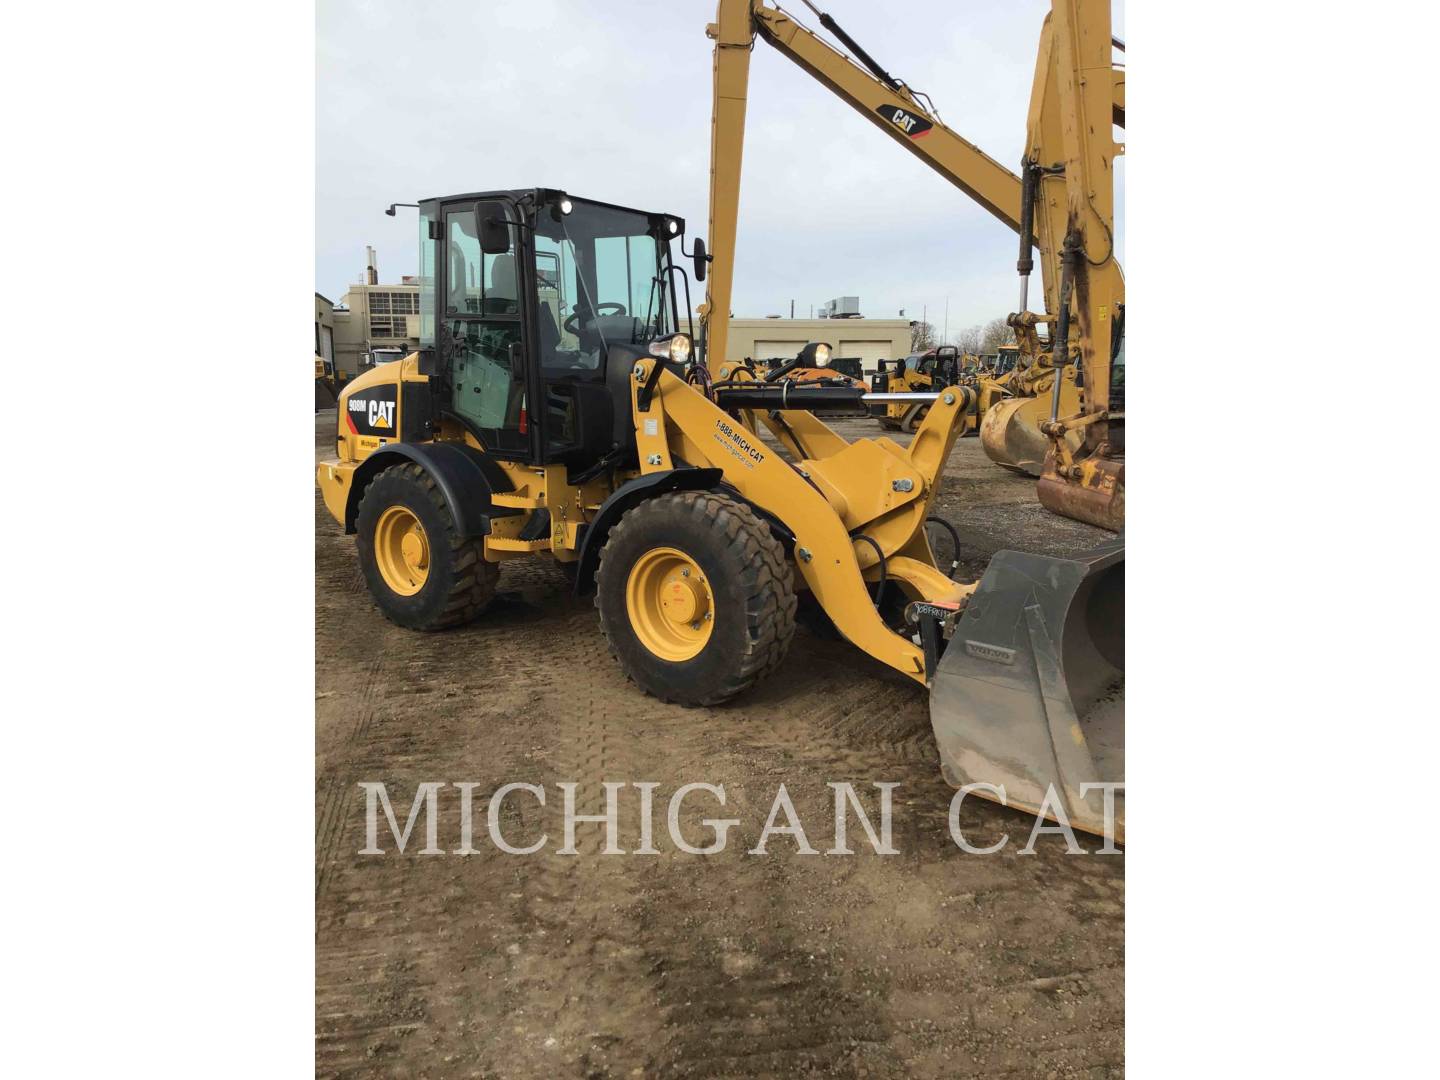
{"x": 482, "y": 336}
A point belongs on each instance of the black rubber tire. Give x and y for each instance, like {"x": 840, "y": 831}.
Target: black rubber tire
{"x": 460, "y": 585}
{"x": 750, "y": 578}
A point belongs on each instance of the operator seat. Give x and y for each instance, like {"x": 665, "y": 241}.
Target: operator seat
{"x": 502, "y": 297}
{"x": 549, "y": 334}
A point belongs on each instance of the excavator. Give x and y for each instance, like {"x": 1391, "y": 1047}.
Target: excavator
{"x": 561, "y": 407}
{"x": 1062, "y": 203}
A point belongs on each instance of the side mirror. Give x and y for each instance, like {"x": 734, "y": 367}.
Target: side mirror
{"x": 700, "y": 259}
{"x": 494, "y": 229}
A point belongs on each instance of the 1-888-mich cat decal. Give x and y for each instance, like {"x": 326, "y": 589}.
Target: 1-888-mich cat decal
{"x": 372, "y": 411}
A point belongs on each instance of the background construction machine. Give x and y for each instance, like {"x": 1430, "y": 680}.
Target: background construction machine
{"x": 920, "y": 372}
{"x": 327, "y": 383}
{"x": 1061, "y": 203}
{"x": 1015, "y": 409}
{"x": 582, "y": 426}
{"x": 992, "y": 382}
{"x": 830, "y": 374}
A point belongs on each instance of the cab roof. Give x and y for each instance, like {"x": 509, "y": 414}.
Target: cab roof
{"x": 543, "y": 195}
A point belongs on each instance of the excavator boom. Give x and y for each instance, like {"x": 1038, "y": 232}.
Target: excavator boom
{"x": 890, "y": 105}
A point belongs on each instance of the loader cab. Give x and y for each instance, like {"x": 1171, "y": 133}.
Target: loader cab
{"x": 944, "y": 368}
{"x": 1006, "y": 359}
{"x": 534, "y": 306}
{"x": 937, "y": 367}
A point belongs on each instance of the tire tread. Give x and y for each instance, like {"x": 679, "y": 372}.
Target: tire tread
{"x": 475, "y": 578}
{"x": 766, "y": 581}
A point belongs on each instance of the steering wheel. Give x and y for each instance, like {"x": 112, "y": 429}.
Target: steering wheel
{"x": 572, "y": 323}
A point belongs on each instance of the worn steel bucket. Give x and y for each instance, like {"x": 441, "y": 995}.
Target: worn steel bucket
{"x": 1010, "y": 429}
{"x": 1029, "y": 694}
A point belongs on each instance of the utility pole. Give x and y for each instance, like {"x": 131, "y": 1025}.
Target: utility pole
{"x": 946, "y": 338}
{"x": 792, "y": 309}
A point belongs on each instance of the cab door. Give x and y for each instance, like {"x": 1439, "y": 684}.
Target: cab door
{"x": 482, "y": 336}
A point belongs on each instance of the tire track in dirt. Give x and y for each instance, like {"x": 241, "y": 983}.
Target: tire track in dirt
{"x": 575, "y": 911}
{"x": 330, "y": 826}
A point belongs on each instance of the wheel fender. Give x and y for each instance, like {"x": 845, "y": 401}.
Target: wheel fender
{"x": 623, "y": 498}
{"x": 466, "y": 477}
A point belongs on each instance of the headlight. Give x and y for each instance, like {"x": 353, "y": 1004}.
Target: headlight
{"x": 675, "y": 348}
{"x": 816, "y": 354}
{"x": 566, "y": 206}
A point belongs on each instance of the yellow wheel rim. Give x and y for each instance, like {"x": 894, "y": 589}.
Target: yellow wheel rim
{"x": 670, "y": 604}
{"x": 402, "y": 550}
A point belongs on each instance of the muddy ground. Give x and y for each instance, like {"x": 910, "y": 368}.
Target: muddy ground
{"x": 930, "y": 962}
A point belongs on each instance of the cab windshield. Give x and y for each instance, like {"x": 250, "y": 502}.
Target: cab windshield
{"x": 602, "y": 276}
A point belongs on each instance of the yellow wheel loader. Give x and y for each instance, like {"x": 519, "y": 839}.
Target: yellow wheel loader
{"x": 586, "y": 428}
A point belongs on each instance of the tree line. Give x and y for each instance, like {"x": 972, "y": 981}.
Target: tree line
{"x": 978, "y": 340}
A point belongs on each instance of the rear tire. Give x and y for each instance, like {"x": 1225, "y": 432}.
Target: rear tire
{"x": 695, "y": 552}
{"x": 421, "y": 572}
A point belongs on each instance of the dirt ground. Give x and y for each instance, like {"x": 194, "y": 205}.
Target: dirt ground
{"x": 931, "y": 962}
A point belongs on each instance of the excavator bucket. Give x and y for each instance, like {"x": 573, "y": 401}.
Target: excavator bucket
{"x": 1010, "y": 430}
{"x": 1029, "y": 695}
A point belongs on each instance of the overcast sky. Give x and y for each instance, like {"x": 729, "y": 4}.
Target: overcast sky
{"x": 612, "y": 100}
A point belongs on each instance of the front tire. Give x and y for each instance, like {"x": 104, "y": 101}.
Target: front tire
{"x": 696, "y": 598}
{"x": 421, "y": 572}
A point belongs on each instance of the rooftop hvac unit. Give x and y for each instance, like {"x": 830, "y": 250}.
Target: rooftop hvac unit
{"x": 842, "y": 307}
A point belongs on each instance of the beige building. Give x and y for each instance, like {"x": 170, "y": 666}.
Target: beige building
{"x": 376, "y": 317}
{"x": 869, "y": 340}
